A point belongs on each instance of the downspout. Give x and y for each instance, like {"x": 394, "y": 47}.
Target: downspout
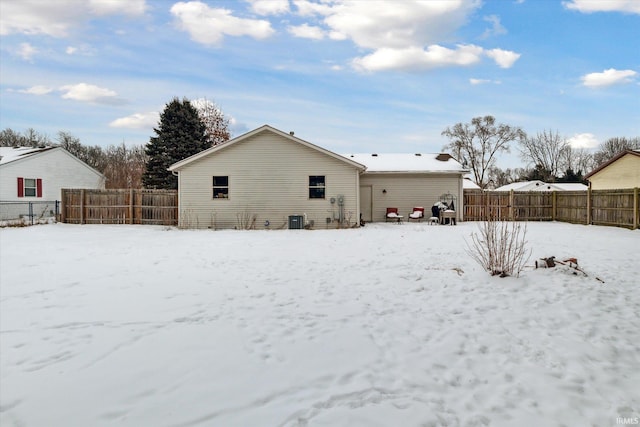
{"x": 174, "y": 173}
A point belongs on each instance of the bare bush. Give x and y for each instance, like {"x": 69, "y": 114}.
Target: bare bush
{"x": 500, "y": 247}
{"x": 246, "y": 221}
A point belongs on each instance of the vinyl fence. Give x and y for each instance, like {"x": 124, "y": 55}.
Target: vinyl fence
{"x": 599, "y": 207}
{"x": 128, "y": 206}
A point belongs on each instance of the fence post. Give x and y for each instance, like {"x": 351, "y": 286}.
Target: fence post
{"x": 63, "y": 207}
{"x": 131, "y": 205}
{"x": 554, "y": 205}
{"x": 31, "y": 212}
{"x": 511, "y": 200}
{"x": 636, "y": 208}
{"x": 589, "y": 207}
{"x": 82, "y": 206}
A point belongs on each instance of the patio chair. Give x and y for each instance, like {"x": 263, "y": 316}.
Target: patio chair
{"x": 417, "y": 214}
{"x": 392, "y": 215}
{"x": 435, "y": 215}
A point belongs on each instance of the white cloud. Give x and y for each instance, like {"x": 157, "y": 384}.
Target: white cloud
{"x": 306, "y": 31}
{"x": 504, "y": 58}
{"x": 608, "y": 77}
{"x": 79, "y": 50}
{"x": 137, "y": 121}
{"x": 401, "y": 34}
{"x": 583, "y": 140}
{"x": 37, "y": 90}
{"x": 398, "y": 24}
{"x": 483, "y": 81}
{"x": 26, "y": 51}
{"x": 208, "y": 25}
{"x": 590, "y": 6}
{"x": 309, "y": 8}
{"x": 496, "y": 27}
{"x": 57, "y": 18}
{"x": 113, "y": 7}
{"x": 88, "y": 93}
{"x": 415, "y": 58}
{"x": 269, "y": 7}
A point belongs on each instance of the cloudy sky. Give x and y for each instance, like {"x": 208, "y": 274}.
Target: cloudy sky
{"x": 352, "y": 76}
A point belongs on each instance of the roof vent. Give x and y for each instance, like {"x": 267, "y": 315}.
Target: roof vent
{"x": 418, "y": 154}
{"x": 443, "y": 157}
{"x": 291, "y": 133}
{"x": 374, "y": 155}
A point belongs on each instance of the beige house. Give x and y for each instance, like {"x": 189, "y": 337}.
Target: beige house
{"x": 267, "y": 179}
{"x": 622, "y": 171}
{"x": 405, "y": 181}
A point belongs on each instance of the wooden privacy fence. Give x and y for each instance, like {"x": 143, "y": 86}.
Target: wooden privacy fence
{"x": 129, "y": 206}
{"x": 598, "y": 207}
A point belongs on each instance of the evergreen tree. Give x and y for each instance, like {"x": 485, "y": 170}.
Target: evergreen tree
{"x": 180, "y": 134}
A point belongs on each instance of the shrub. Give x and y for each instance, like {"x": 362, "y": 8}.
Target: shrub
{"x": 500, "y": 247}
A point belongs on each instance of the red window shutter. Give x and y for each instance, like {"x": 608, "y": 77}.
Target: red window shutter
{"x": 39, "y": 187}
{"x": 20, "y": 187}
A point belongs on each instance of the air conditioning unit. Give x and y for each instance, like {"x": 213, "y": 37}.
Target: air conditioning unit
{"x": 296, "y": 222}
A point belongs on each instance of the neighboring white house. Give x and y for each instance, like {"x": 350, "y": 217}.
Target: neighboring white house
{"x": 267, "y": 178}
{"x": 537, "y": 185}
{"x": 38, "y": 174}
{"x": 405, "y": 181}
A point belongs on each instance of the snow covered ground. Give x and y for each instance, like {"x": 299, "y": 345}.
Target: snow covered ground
{"x": 387, "y": 325}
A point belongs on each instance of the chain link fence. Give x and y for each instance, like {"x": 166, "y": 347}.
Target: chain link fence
{"x": 29, "y": 212}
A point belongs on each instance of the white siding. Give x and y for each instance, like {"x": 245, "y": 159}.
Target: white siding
{"x": 269, "y": 178}
{"x": 406, "y": 191}
{"x": 57, "y": 168}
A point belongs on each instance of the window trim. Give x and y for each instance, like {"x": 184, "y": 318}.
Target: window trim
{"x": 220, "y": 189}
{"x": 316, "y": 187}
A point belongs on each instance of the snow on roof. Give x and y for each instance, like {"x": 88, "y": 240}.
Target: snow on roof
{"x": 394, "y": 162}
{"x": 9, "y": 154}
{"x": 570, "y": 186}
{"x": 468, "y": 184}
{"x": 537, "y": 185}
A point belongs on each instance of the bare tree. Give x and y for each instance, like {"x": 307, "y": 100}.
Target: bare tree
{"x": 579, "y": 160}
{"x": 216, "y": 124}
{"x": 548, "y": 150}
{"x": 614, "y": 146}
{"x": 499, "y": 177}
{"x": 476, "y": 145}
{"x": 31, "y": 138}
{"x": 93, "y": 156}
{"x": 124, "y": 166}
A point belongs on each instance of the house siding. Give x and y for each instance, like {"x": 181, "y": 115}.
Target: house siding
{"x": 623, "y": 173}
{"x": 56, "y": 168}
{"x": 269, "y": 178}
{"x": 407, "y": 190}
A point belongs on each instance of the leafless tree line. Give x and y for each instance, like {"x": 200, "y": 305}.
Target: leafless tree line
{"x": 547, "y": 155}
